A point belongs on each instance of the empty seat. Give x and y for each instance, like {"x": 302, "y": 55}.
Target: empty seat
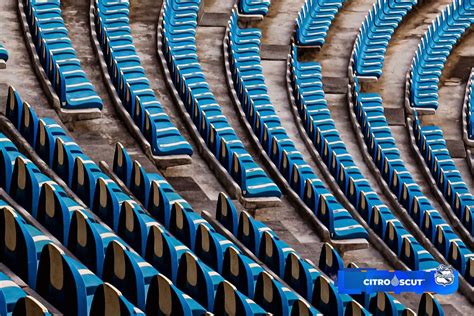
{"x": 300, "y": 275}
{"x": 64, "y": 282}
{"x": 128, "y": 272}
{"x": 164, "y": 298}
{"x": 226, "y": 214}
{"x": 20, "y": 245}
{"x": 469, "y": 101}
{"x": 325, "y": 297}
{"x": 330, "y": 261}
{"x": 109, "y": 301}
{"x": 30, "y": 306}
{"x": 429, "y": 306}
{"x": 230, "y": 302}
{"x": 253, "y": 7}
{"x": 198, "y": 280}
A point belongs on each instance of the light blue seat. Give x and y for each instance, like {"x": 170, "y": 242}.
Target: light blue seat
{"x": 131, "y": 83}
{"x": 249, "y": 84}
{"x": 3, "y": 53}
{"x": 253, "y": 7}
{"x": 58, "y": 56}
{"x": 179, "y": 48}
{"x": 314, "y": 20}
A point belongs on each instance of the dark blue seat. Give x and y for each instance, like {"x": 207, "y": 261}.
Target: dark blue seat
{"x": 109, "y": 301}
{"x": 164, "y": 298}
{"x": 64, "y": 282}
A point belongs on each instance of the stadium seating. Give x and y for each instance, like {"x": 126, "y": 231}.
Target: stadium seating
{"x": 253, "y": 7}
{"x": 249, "y": 83}
{"x": 211, "y": 247}
{"x": 312, "y": 107}
{"x": 375, "y": 34}
{"x": 58, "y": 57}
{"x": 15, "y": 301}
{"x": 89, "y": 240}
{"x": 386, "y": 156}
{"x": 314, "y": 20}
{"x": 313, "y": 283}
{"x": 3, "y": 55}
{"x": 434, "y": 49}
{"x": 432, "y": 145}
{"x": 469, "y": 100}
{"x": 127, "y": 219}
{"x": 131, "y": 83}
{"x": 179, "y": 48}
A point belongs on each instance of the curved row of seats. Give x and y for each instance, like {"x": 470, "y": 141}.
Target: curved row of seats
{"x": 374, "y": 35}
{"x": 132, "y": 85}
{"x": 249, "y": 84}
{"x": 58, "y": 57}
{"x": 253, "y": 7}
{"x": 3, "y": 54}
{"x": 218, "y": 252}
{"x": 300, "y": 273}
{"x": 306, "y": 80}
{"x": 432, "y": 145}
{"x": 60, "y": 279}
{"x": 14, "y": 301}
{"x": 470, "y": 106}
{"x": 433, "y": 51}
{"x": 130, "y": 221}
{"x": 314, "y": 20}
{"x": 386, "y": 156}
{"x": 90, "y": 241}
{"x": 179, "y": 47}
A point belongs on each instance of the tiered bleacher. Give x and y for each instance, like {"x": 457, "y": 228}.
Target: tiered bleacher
{"x": 249, "y": 83}
{"x": 59, "y": 278}
{"x": 127, "y": 218}
{"x": 375, "y": 34}
{"x": 3, "y": 56}
{"x": 386, "y": 156}
{"x": 130, "y": 81}
{"x": 432, "y": 146}
{"x": 314, "y": 20}
{"x": 307, "y": 88}
{"x": 433, "y": 51}
{"x": 253, "y": 7}
{"x": 218, "y": 252}
{"x": 58, "y": 57}
{"x": 179, "y": 24}
{"x": 310, "y": 281}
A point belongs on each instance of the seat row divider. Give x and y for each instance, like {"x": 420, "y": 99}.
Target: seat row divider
{"x": 66, "y": 115}
{"x": 221, "y": 174}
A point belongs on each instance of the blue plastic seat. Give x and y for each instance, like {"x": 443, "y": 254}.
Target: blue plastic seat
{"x": 64, "y": 282}
{"x": 109, "y": 301}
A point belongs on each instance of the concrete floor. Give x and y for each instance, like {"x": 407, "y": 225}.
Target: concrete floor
{"x": 196, "y": 182}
